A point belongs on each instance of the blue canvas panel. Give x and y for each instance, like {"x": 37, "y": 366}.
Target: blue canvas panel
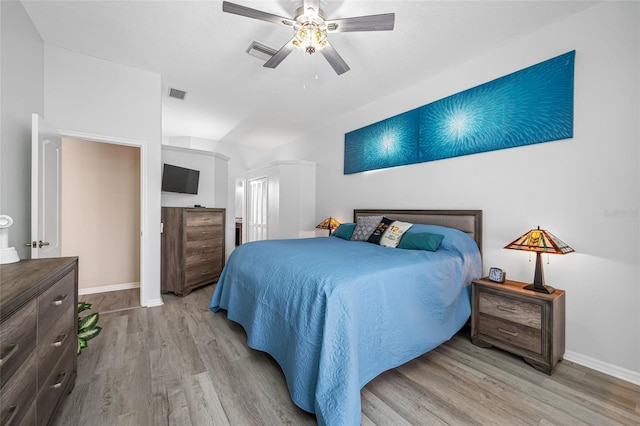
{"x": 526, "y": 107}
{"x": 388, "y": 143}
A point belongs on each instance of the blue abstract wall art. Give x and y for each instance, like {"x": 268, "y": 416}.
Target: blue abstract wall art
{"x": 526, "y": 107}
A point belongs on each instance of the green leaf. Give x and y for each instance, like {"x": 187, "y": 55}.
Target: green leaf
{"x": 83, "y": 306}
{"x": 89, "y": 334}
{"x": 81, "y": 344}
{"x": 87, "y": 326}
{"x": 88, "y": 321}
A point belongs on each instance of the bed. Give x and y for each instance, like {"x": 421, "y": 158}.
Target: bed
{"x": 335, "y": 313}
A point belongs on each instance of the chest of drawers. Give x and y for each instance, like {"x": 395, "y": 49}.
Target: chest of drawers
{"x": 38, "y": 338}
{"x": 523, "y": 322}
{"x": 193, "y": 248}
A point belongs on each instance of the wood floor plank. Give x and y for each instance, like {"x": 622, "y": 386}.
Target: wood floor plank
{"x": 376, "y": 412}
{"x": 181, "y": 364}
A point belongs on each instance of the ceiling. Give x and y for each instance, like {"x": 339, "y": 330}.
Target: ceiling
{"x": 197, "y": 48}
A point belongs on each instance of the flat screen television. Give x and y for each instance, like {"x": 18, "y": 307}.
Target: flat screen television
{"x": 180, "y": 179}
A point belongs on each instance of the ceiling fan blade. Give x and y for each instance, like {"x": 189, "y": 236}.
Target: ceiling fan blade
{"x": 237, "y": 9}
{"x": 280, "y": 55}
{"x": 384, "y": 22}
{"x": 334, "y": 59}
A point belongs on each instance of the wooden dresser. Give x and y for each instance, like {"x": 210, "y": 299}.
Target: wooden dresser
{"x": 38, "y": 338}
{"x": 193, "y": 249}
{"x": 523, "y": 322}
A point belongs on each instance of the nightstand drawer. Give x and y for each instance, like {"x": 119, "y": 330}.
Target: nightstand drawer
{"x": 528, "y": 314}
{"x": 512, "y": 333}
{"x": 17, "y": 340}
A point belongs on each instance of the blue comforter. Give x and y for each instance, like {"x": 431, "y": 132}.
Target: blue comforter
{"x": 335, "y": 314}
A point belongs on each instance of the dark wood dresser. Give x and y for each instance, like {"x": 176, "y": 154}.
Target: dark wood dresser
{"x": 38, "y": 338}
{"x": 520, "y": 321}
{"x": 193, "y": 248}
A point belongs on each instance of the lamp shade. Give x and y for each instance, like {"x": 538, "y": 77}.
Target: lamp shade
{"x": 539, "y": 241}
{"x": 329, "y": 223}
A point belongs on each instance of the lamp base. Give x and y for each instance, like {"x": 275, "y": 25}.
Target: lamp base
{"x": 540, "y": 288}
{"x": 8, "y": 255}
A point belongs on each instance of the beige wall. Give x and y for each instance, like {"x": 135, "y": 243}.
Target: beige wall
{"x": 101, "y": 212}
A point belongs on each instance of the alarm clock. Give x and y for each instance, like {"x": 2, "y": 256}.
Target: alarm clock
{"x": 497, "y": 275}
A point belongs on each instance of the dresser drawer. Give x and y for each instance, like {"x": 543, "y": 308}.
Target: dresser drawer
{"x": 200, "y": 259}
{"x": 204, "y": 246}
{"x": 202, "y": 273}
{"x": 525, "y": 313}
{"x": 54, "y": 302}
{"x": 195, "y": 233}
{"x": 17, "y": 340}
{"x": 54, "y": 343}
{"x": 55, "y": 385}
{"x": 514, "y": 334}
{"x": 196, "y": 218}
{"x": 18, "y": 394}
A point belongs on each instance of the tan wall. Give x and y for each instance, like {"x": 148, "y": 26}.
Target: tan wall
{"x": 101, "y": 211}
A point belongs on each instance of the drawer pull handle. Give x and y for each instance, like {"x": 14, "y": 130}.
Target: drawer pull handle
{"x": 507, "y": 309}
{"x": 206, "y": 232}
{"x": 13, "y": 348}
{"x": 60, "y": 380}
{"x": 206, "y": 245}
{"x": 60, "y": 341}
{"x": 13, "y": 410}
{"x": 59, "y": 300}
{"x": 510, "y": 333}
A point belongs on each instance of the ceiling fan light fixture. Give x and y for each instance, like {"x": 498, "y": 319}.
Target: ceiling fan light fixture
{"x": 310, "y": 37}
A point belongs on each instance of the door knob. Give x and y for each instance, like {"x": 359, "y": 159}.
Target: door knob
{"x": 38, "y": 244}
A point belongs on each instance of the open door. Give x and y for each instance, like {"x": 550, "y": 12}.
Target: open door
{"x": 46, "y": 195}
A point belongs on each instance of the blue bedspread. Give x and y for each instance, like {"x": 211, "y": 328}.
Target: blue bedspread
{"x": 335, "y": 314}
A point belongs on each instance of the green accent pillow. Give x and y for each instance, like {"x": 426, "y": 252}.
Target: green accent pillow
{"x": 421, "y": 241}
{"x": 344, "y": 230}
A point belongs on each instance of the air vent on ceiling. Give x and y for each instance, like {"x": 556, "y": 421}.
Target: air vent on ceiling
{"x": 178, "y": 94}
{"x": 260, "y": 51}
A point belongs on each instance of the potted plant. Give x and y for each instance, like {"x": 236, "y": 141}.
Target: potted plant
{"x": 87, "y": 326}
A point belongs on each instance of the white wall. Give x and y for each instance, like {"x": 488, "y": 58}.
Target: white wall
{"x": 212, "y": 183}
{"x": 241, "y": 158}
{"x": 21, "y": 94}
{"x": 91, "y": 96}
{"x": 291, "y": 198}
{"x": 585, "y": 190}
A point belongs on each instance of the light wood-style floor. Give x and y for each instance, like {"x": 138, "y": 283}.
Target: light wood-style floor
{"x": 111, "y": 301}
{"x": 181, "y": 364}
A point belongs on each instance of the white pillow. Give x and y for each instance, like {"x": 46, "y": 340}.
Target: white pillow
{"x": 393, "y": 234}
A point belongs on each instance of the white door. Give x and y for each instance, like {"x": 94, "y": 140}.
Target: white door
{"x": 257, "y": 210}
{"x": 46, "y": 214}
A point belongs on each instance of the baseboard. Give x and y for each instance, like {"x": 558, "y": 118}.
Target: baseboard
{"x": 154, "y": 302}
{"x": 603, "y": 367}
{"x": 107, "y": 288}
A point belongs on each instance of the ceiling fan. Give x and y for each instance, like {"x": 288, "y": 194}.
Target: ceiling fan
{"x": 310, "y": 29}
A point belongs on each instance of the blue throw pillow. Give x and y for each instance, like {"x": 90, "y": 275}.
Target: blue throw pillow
{"x": 420, "y": 241}
{"x": 344, "y": 231}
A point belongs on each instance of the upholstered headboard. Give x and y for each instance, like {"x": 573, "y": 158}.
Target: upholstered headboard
{"x": 468, "y": 221}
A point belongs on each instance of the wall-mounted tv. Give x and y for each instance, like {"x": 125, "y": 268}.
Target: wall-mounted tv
{"x": 180, "y": 179}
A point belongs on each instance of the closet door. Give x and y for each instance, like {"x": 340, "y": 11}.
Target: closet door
{"x": 257, "y": 209}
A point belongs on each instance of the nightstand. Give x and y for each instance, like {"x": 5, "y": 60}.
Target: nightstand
{"x": 523, "y": 322}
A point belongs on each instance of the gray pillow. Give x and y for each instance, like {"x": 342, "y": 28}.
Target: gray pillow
{"x": 365, "y": 227}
